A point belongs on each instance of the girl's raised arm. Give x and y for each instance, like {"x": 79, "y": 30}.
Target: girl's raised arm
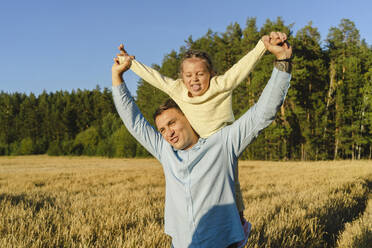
{"x": 147, "y": 73}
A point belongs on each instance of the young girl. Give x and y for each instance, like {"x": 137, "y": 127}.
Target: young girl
{"x": 206, "y": 99}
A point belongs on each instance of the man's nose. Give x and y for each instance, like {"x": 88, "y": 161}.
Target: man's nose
{"x": 195, "y": 78}
{"x": 170, "y": 132}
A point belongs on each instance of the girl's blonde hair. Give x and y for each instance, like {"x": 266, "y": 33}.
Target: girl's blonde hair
{"x": 200, "y": 55}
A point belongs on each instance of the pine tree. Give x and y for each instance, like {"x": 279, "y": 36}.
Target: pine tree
{"x": 306, "y": 98}
{"x": 365, "y": 144}
{"x": 346, "y": 81}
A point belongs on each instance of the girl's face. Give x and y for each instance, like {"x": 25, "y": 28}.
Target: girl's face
{"x": 195, "y": 76}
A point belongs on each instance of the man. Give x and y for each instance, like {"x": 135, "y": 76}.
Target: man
{"x": 200, "y": 209}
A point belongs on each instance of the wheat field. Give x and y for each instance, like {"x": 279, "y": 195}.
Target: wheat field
{"x": 100, "y": 202}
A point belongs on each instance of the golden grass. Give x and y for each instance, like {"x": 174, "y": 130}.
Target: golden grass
{"x": 358, "y": 234}
{"x": 98, "y": 202}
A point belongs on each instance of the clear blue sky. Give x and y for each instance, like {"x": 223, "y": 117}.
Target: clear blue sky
{"x": 65, "y": 44}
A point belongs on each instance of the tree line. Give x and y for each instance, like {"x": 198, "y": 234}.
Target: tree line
{"x": 327, "y": 114}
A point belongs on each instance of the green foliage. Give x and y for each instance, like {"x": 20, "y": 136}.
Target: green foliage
{"x": 149, "y": 99}
{"x": 124, "y": 143}
{"x": 25, "y": 147}
{"x": 110, "y": 123}
{"x": 348, "y": 68}
{"x": 86, "y": 142}
{"x": 54, "y": 148}
{"x": 105, "y": 148}
{"x": 3, "y": 149}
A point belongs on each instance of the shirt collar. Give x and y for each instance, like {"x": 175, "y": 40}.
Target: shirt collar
{"x": 195, "y": 147}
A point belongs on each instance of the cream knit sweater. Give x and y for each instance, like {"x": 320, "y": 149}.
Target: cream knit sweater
{"x": 213, "y": 110}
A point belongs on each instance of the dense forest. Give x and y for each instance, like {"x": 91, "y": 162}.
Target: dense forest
{"x": 327, "y": 114}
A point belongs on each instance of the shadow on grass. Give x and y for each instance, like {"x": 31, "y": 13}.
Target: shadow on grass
{"x": 345, "y": 212}
{"x": 36, "y": 203}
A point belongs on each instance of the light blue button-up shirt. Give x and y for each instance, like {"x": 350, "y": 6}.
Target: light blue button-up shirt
{"x": 200, "y": 209}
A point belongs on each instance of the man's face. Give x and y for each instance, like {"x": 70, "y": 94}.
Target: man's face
{"x": 176, "y": 129}
{"x": 195, "y": 76}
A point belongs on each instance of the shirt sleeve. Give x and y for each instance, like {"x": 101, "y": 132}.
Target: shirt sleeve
{"x": 243, "y": 131}
{"x": 134, "y": 121}
{"x": 238, "y": 72}
{"x": 153, "y": 77}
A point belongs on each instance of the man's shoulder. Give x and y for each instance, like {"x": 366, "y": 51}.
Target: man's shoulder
{"x": 220, "y": 137}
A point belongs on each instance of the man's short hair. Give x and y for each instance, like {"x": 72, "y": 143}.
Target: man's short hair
{"x": 168, "y": 104}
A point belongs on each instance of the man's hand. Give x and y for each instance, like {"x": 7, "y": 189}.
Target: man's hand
{"x": 278, "y": 45}
{"x": 122, "y": 63}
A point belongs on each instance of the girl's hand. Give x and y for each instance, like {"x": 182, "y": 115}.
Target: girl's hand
{"x": 277, "y": 38}
{"x": 278, "y": 45}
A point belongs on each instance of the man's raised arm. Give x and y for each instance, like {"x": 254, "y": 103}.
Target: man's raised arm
{"x": 129, "y": 112}
{"x": 259, "y": 116}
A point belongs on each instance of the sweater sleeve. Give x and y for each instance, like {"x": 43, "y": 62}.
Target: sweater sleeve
{"x": 238, "y": 72}
{"x": 152, "y": 76}
{"x": 243, "y": 131}
{"x": 134, "y": 121}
